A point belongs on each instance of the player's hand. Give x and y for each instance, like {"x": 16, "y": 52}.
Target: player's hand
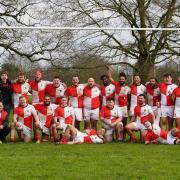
{"x": 158, "y": 104}
{"x": 37, "y": 125}
{"x": 1, "y": 127}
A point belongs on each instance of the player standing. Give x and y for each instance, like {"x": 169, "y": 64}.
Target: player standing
{"x": 167, "y": 104}
{"x": 75, "y": 95}
{"x": 55, "y": 90}
{"x": 91, "y": 104}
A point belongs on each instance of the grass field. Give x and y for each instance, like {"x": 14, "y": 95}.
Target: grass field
{"x": 89, "y": 161}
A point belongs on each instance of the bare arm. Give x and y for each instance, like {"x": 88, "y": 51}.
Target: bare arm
{"x": 109, "y": 73}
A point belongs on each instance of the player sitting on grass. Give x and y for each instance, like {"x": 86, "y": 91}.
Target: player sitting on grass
{"x": 159, "y": 136}
{"x": 74, "y": 136}
{"x": 112, "y": 120}
{"x": 22, "y": 120}
{"x": 64, "y": 115}
{"x": 45, "y": 113}
{"x": 142, "y": 113}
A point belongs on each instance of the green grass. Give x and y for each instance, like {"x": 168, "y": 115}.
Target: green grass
{"x": 106, "y": 161}
{"x": 89, "y": 161}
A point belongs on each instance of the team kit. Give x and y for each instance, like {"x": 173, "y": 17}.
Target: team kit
{"x": 57, "y": 110}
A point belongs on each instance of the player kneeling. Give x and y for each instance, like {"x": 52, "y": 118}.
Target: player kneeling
{"x": 45, "y": 113}
{"x": 156, "y": 135}
{"x": 74, "y": 136}
{"x": 22, "y": 120}
{"x": 112, "y": 120}
{"x": 64, "y": 115}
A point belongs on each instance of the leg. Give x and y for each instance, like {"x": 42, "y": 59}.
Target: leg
{"x": 119, "y": 131}
{"x": 12, "y": 132}
{"x": 108, "y": 137}
{"x": 124, "y": 130}
{"x": 130, "y": 128}
{"x": 170, "y": 123}
{"x": 163, "y": 123}
{"x": 4, "y": 132}
{"x": 27, "y": 139}
{"x": 54, "y": 131}
{"x": 143, "y": 135}
{"x": 77, "y": 124}
{"x": 87, "y": 124}
{"x": 94, "y": 122}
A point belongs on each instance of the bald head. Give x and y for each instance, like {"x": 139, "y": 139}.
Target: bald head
{"x": 91, "y": 82}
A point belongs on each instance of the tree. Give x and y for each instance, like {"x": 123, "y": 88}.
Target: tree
{"x": 142, "y": 49}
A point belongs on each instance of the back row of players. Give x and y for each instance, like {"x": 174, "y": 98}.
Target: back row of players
{"x": 54, "y": 105}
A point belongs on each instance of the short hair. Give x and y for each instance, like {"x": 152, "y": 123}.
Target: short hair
{"x": 21, "y": 97}
{"x": 22, "y": 74}
{"x": 75, "y": 75}
{"x": 4, "y": 72}
{"x": 104, "y": 76}
{"x": 46, "y": 95}
{"x": 64, "y": 97}
{"x": 122, "y": 74}
{"x": 110, "y": 99}
{"x": 142, "y": 95}
{"x": 154, "y": 78}
{"x": 167, "y": 75}
{"x": 56, "y": 77}
{"x": 136, "y": 75}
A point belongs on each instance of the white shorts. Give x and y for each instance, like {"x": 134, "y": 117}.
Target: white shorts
{"x": 167, "y": 111}
{"x": 170, "y": 138}
{"x": 109, "y": 129}
{"x": 78, "y": 114}
{"x": 96, "y": 139}
{"x": 91, "y": 114}
{"x": 124, "y": 111}
{"x": 80, "y": 137}
{"x": 44, "y": 129}
{"x": 177, "y": 112}
{"x": 25, "y": 130}
{"x": 138, "y": 125}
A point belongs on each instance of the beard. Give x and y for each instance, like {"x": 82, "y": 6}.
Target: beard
{"x": 121, "y": 83}
{"x": 46, "y": 103}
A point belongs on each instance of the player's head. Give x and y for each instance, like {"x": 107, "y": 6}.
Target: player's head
{"x": 136, "y": 79}
{"x": 141, "y": 99}
{"x": 153, "y": 82}
{"x": 22, "y": 101}
{"x": 110, "y": 102}
{"x": 148, "y": 125}
{"x": 91, "y": 82}
{"x": 4, "y": 76}
{"x": 101, "y": 132}
{"x": 21, "y": 78}
{"x": 167, "y": 78}
{"x": 64, "y": 101}
{"x": 47, "y": 100}
{"x": 1, "y": 106}
{"x": 56, "y": 81}
{"x": 122, "y": 78}
{"x": 38, "y": 75}
{"x": 105, "y": 80}
{"x": 178, "y": 81}
{"x": 75, "y": 80}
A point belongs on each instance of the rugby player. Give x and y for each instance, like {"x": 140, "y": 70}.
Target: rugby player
{"x": 142, "y": 113}
{"x": 64, "y": 115}
{"x": 176, "y": 99}
{"x": 55, "y": 90}
{"x": 75, "y": 95}
{"x": 74, "y": 136}
{"x": 22, "y": 120}
{"x": 167, "y": 104}
{"x": 20, "y": 88}
{"x": 112, "y": 120}
{"x": 91, "y": 104}
{"x": 45, "y": 114}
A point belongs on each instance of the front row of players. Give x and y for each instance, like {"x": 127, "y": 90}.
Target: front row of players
{"x": 57, "y": 124}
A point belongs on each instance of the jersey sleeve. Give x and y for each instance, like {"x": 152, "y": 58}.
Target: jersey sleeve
{"x": 67, "y": 92}
{"x": 16, "y": 110}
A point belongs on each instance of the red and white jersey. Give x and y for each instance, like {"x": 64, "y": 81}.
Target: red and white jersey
{"x": 176, "y": 93}
{"x": 154, "y": 135}
{"x": 135, "y": 92}
{"x": 75, "y": 94}
{"x": 45, "y": 113}
{"x": 3, "y": 116}
{"x": 55, "y": 93}
{"x": 153, "y": 95}
{"x": 106, "y": 92}
{"x": 143, "y": 113}
{"x": 20, "y": 90}
{"x": 110, "y": 114}
{"x": 91, "y": 98}
{"x": 25, "y": 114}
{"x": 38, "y": 90}
{"x": 166, "y": 91}
{"x": 65, "y": 114}
{"x": 121, "y": 94}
